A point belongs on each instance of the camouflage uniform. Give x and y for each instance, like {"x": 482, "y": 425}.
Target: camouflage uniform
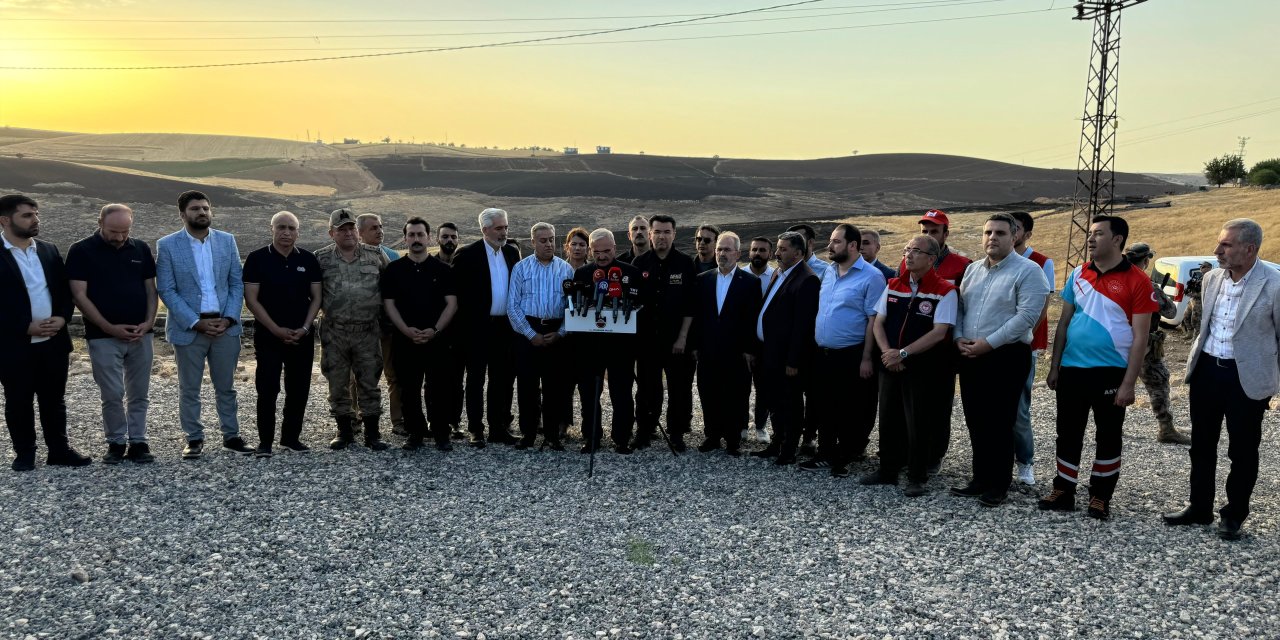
{"x": 1154, "y": 374}
{"x": 350, "y": 334}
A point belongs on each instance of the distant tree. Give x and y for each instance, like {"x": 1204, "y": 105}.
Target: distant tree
{"x": 1264, "y": 177}
{"x": 1256, "y": 173}
{"x": 1228, "y": 168}
{"x": 20, "y": 156}
{"x": 278, "y": 183}
{"x": 386, "y": 140}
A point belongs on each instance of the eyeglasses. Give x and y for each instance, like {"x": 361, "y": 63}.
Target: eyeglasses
{"x": 702, "y": 240}
{"x": 914, "y": 252}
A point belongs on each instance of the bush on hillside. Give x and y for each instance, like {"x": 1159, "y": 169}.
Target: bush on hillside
{"x": 1264, "y": 177}
{"x": 1228, "y": 168}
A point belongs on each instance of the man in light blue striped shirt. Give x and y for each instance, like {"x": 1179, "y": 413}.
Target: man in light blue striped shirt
{"x": 535, "y": 306}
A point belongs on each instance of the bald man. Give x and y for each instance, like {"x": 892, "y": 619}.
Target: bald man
{"x": 282, "y": 284}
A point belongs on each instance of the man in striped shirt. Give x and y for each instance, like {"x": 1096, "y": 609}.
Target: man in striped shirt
{"x": 535, "y": 306}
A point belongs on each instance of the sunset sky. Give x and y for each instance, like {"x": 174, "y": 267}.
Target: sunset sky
{"x": 1005, "y": 87}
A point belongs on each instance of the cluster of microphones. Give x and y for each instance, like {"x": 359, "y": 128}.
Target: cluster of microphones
{"x": 607, "y": 290}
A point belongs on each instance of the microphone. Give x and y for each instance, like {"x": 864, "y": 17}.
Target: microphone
{"x": 569, "y": 288}
{"x": 597, "y": 277}
{"x": 602, "y": 290}
{"x": 626, "y": 299}
{"x": 615, "y": 290}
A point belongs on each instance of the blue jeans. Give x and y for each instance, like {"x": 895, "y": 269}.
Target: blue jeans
{"x": 122, "y": 371}
{"x": 222, "y": 354}
{"x": 1024, "y": 442}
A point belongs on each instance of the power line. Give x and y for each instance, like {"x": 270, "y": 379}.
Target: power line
{"x": 781, "y": 8}
{"x": 341, "y": 36}
{"x": 545, "y": 41}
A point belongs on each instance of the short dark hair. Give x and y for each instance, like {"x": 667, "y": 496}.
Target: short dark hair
{"x": 851, "y": 233}
{"x": 1119, "y": 226}
{"x": 809, "y": 233}
{"x": 762, "y": 239}
{"x": 1005, "y": 218}
{"x": 662, "y": 217}
{"x": 708, "y": 227}
{"x": 1025, "y": 221}
{"x": 415, "y": 220}
{"x": 186, "y": 197}
{"x": 795, "y": 239}
{"x": 447, "y": 225}
{"x": 9, "y": 204}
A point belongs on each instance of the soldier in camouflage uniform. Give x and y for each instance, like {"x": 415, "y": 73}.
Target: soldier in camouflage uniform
{"x": 1155, "y": 376}
{"x": 1191, "y": 318}
{"x": 349, "y": 336}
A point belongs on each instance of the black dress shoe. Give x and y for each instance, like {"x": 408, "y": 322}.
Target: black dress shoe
{"x": 294, "y": 445}
{"x": 586, "y": 448}
{"x": 263, "y": 451}
{"x": 992, "y": 498}
{"x": 115, "y": 453}
{"x": 767, "y": 452}
{"x": 25, "y": 462}
{"x": 236, "y": 445}
{"x": 375, "y": 444}
{"x": 555, "y": 445}
{"x": 412, "y": 444}
{"x": 1229, "y": 529}
{"x": 475, "y": 441}
{"x": 68, "y": 458}
{"x": 677, "y": 443}
{"x": 501, "y": 437}
{"x": 139, "y": 453}
{"x": 1186, "y": 517}
{"x": 641, "y": 442}
{"x": 526, "y": 443}
{"x": 193, "y": 450}
{"x": 734, "y": 451}
{"x": 784, "y": 460}
{"x": 622, "y": 450}
{"x": 708, "y": 446}
{"x": 971, "y": 490}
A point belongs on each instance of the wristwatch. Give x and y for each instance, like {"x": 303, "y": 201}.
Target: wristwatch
{"x": 902, "y": 354}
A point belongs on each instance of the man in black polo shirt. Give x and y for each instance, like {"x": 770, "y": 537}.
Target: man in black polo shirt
{"x": 282, "y": 285}
{"x": 663, "y": 331}
{"x": 418, "y": 295}
{"x": 113, "y": 281}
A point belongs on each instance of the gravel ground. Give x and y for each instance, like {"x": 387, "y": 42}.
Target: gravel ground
{"x": 499, "y": 543}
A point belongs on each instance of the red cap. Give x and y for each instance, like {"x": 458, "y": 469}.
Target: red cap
{"x": 936, "y": 216}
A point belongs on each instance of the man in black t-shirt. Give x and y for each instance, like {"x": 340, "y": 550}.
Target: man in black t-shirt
{"x": 418, "y": 294}
{"x": 113, "y": 281}
{"x": 282, "y": 285}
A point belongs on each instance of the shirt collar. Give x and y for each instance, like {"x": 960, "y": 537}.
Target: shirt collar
{"x": 1123, "y": 266}
{"x": 9, "y": 245}
{"x": 491, "y": 248}
{"x": 1239, "y": 282}
{"x": 271, "y": 246}
{"x": 725, "y": 275}
{"x": 195, "y": 239}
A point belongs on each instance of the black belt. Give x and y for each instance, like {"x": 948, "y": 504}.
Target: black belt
{"x": 546, "y": 325}
{"x": 823, "y": 351}
{"x": 1225, "y": 363}
{"x": 210, "y": 315}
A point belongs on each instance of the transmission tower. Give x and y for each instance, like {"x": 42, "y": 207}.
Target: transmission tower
{"x": 1095, "y": 171}
{"x": 1243, "y": 141}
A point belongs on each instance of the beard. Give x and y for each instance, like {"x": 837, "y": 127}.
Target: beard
{"x": 840, "y": 257}
{"x": 199, "y": 223}
{"x": 448, "y": 248}
{"x": 759, "y": 262}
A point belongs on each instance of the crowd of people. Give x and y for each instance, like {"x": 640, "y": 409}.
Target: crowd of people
{"x": 826, "y": 345}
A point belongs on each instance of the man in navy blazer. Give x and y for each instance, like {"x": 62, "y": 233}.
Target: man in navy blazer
{"x": 722, "y": 340}
{"x": 785, "y": 330}
{"x": 199, "y": 279}
{"x": 34, "y": 343}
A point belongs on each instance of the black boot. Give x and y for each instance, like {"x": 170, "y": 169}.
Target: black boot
{"x": 372, "y": 438}
{"x": 345, "y": 436}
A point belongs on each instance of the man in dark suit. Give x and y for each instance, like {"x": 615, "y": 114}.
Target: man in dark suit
{"x": 482, "y": 271}
{"x": 34, "y": 343}
{"x": 727, "y": 303}
{"x": 785, "y": 330}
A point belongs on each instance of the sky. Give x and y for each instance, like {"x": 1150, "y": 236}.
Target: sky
{"x": 997, "y": 79}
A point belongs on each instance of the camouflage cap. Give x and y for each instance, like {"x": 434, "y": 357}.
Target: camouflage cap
{"x": 341, "y": 217}
{"x": 1139, "y": 251}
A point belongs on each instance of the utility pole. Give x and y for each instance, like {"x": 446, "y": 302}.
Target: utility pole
{"x": 1243, "y": 141}
{"x": 1095, "y": 173}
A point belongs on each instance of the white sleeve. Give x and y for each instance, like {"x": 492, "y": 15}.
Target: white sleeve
{"x": 946, "y": 311}
{"x": 1048, "y": 273}
{"x": 882, "y": 305}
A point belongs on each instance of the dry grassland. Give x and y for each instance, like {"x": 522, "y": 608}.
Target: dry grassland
{"x": 168, "y": 147}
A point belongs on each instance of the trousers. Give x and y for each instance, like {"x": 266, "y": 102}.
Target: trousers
{"x": 122, "y": 371}
{"x": 222, "y": 355}
{"x": 1079, "y": 391}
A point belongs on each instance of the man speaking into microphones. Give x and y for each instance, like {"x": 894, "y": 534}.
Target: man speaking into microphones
{"x": 602, "y": 353}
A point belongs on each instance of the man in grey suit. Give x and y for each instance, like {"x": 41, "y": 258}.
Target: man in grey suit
{"x": 1233, "y": 371}
{"x": 199, "y": 279}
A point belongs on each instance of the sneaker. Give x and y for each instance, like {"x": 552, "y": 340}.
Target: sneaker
{"x": 295, "y": 445}
{"x": 815, "y": 464}
{"x": 139, "y": 453}
{"x": 914, "y": 489}
{"x": 193, "y": 450}
{"x": 838, "y": 472}
{"x": 68, "y": 458}
{"x": 1058, "y": 500}
{"x": 762, "y": 436}
{"x": 971, "y": 490}
{"x": 1027, "y": 474}
{"x": 1099, "y": 508}
{"x": 115, "y": 453}
{"x": 263, "y": 451}
{"x": 236, "y": 445}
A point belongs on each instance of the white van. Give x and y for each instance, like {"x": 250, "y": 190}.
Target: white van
{"x": 1179, "y": 269}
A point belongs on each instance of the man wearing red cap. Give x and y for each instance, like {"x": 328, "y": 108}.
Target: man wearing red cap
{"x": 950, "y": 267}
